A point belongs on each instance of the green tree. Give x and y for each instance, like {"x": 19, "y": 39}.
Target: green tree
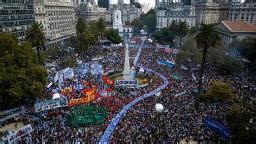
{"x": 36, "y": 37}
{"x": 150, "y": 21}
{"x": 241, "y": 119}
{"x": 207, "y": 37}
{"x": 229, "y": 66}
{"x": 101, "y": 24}
{"x": 138, "y": 25}
{"x": 21, "y": 78}
{"x": 248, "y": 50}
{"x": 164, "y": 36}
{"x": 218, "y": 92}
{"x": 113, "y": 36}
{"x": 182, "y": 30}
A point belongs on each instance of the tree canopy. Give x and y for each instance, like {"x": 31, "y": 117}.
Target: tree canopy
{"x": 113, "y": 36}
{"x": 21, "y": 78}
{"x": 218, "y": 91}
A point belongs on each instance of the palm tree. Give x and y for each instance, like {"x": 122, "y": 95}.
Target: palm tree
{"x": 80, "y": 29}
{"x": 206, "y": 37}
{"x": 36, "y": 37}
{"x": 182, "y": 30}
{"x": 101, "y": 24}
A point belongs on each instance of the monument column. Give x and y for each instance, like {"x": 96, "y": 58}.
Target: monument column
{"x": 127, "y": 70}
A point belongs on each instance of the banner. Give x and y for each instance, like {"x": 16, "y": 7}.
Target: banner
{"x": 82, "y": 100}
{"x": 20, "y": 133}
{"x": 51, "y": 104}
{"x": 8, "y": 114}
{"x": 127, "y": 83}
{"x": 107, "y": 81}
{"x": 217, "y": 127}
{"x": 166, "y": 63}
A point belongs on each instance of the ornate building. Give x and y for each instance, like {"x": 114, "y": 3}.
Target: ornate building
{"x": 210, "y": 11}
{"x": 91, "y": 12}
{"x": 57, "y": 18}
{"x": 243, "y": 11}
{"x": 129, "y": 12}
{"x": 170, "y": 10}
{"x": 16, "y": 17}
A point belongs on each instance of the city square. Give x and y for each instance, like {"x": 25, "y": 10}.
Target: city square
{"x": 161, "y": 75}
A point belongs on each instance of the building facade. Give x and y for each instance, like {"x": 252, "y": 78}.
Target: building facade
{"x": 235, "y": 30}
{"x": 16, "y": 17}
{"x": 167, "y": 12}
{"x": 129, "y": 12}
{"x": 57, "y": 18}
{"x": 90, "y": 12}
{"x": 242, "y": 12}
{"x": 209, "y": 12}
{"x": 124, "y": 31}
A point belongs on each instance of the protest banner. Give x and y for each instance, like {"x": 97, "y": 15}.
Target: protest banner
{"x": 83, "y": 100}
{"x": 217, "y": 127}
{"x": 8, "y": 114}
{"x": 19, "y": 133}
{"x": 51, "y": 104}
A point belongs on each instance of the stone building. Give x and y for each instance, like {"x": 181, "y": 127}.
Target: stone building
{"x": 210, "y": 11}
{"x": 16, "y": 16}
{"x": 169, "y": 11}
{"x": 233, "y": 30}
{"x": 242, "y": 11}
{"x": 57, "y": 18}
{"x": 129, "y": 12}
{"x": 91, "y": 12}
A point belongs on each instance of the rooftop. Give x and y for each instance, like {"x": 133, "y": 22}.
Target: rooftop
{"x": 239, "y": 26}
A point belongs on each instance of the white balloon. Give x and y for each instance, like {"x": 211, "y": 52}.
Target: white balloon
{"x": 141, "y": 70}
{"x": 159, "y": 107}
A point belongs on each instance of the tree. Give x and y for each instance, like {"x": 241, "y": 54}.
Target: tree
{"x": 113, "y": 36}
{"x": 150, "y": 21}
{"x": 248, "y": 50}
{"x": 207, "y": 37}
{"x": 21, "y": 78}
{"x": 36, "y": 37}
{"x": 218, "y": 92}
{"x": 164, "y": 36}
{"x": 182, "y": 30}
{"x": 138, "y": 25}
{"x": 101, "y": 24}
{"x": 229, "y": 66}
{"x": 241, "y": 120}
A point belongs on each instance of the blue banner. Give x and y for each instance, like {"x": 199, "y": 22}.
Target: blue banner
{"x": 217, "y": 127}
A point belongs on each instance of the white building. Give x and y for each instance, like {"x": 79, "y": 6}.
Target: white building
{"x": 167, "y": 12}
{"x": 242, "y": 12}
{"x": 129, "y": 12}
{"x": 90, "y": 11}
{"x": 57, "y": 18}
{"x": 124, "y": 30}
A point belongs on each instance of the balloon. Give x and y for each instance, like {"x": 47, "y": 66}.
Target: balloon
{"x": 159, "y": 107}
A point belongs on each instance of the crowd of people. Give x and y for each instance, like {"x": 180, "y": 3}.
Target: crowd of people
{"x": 179, "y": 120}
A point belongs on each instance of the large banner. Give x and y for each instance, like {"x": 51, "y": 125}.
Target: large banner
{"x": 217, "y": 127}
{"x": 8, "y": 114}
{"x": 89, "y": 95}
{"x": 82, "y": 100}
{"x": 125, "y": 83}
{"x": 107, "y": 81}
{"x": 20, "y": 133}
{"x": 51, "y": 104}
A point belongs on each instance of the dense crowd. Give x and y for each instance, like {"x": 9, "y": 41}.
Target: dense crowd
{"x": 180, "y": 119}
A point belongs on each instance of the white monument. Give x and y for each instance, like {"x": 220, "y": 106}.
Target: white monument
{"x": 127, "y": 75}
{"x": 117, "y": 23}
